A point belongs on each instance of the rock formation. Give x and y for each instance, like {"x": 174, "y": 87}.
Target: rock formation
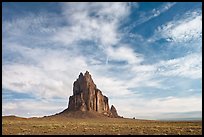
{"x": 88, "y": 98}
{"x": 114, "y": 111}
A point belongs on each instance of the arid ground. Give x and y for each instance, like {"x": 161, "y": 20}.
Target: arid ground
{"x": 104, "y": 126}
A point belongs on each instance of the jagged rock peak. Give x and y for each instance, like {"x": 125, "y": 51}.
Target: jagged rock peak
{"x": 87, "y": 97}
{"x": 114, "y": 111}
{"x": 87, "y": 73}
{"x": 80, "y": 75}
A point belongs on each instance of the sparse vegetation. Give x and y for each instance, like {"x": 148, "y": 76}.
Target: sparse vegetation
{"x": 100, "y": 126}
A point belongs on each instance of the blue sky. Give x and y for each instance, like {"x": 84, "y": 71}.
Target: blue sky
{"x": 146, "y": 56}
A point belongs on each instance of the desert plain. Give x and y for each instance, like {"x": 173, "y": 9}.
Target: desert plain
{"x": 12, "y": 125}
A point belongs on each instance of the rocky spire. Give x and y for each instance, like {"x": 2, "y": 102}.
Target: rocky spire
{"x": 87, "y": 97}
{"x": 114, "y": 111}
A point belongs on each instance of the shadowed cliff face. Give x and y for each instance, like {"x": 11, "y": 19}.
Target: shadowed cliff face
{"x": 86, "y": 97}
{"x": 114, "y": 111}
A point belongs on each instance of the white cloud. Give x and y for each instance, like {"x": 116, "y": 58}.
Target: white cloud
{"x": 28, "y": 108}
{"x": 30, "y": 24}
{"x": 30, "y": 79}
{"x": 92, "y": 21}
{"x": 175, "y": 104}
{"x": 163, "y": 8}
{"x": 188, "y": 28}
{"x": 46, "y": 78}
{"x": 106, "y": 11}
{"x": 112, "y": 87}
{"x": 9, "y": 106}
{"x": 144, "y": 17}
{"x": 123, "y": 53}
{"x": 189, "y": 66}
{"x": 153, "y": 108}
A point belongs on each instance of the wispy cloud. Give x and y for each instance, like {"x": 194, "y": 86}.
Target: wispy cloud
{"x": 92, "y": 21}
{"x": 27, "y": 106}
{"x": 158, "y": 106}
{"x": 145, "y": 17}
{"x": 46, "y": 75}
{"x": 123, "y": 53}
{"x": 189, "y": 66}
{"x": 187, "y": 28}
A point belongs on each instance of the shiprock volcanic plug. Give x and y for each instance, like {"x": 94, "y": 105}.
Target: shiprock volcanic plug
{"x": 87, "y": 100}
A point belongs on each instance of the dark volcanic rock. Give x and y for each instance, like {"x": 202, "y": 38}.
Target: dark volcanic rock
{"x": 87, "y": 97}
{"x": 114, "y": 111}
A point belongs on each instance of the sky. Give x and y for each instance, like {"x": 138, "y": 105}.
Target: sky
{"x": 145, "y": 56}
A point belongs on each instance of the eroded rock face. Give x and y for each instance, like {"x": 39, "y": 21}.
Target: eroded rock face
{"x": 87, "y": 97}
{"x": 114, "y": 111}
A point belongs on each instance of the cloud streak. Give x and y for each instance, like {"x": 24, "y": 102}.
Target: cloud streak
{"x": 145, "y": 17}
{"x": 188, "y": 28}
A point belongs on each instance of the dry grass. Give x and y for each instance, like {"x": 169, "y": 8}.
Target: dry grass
{"x": 103, "y": 126}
